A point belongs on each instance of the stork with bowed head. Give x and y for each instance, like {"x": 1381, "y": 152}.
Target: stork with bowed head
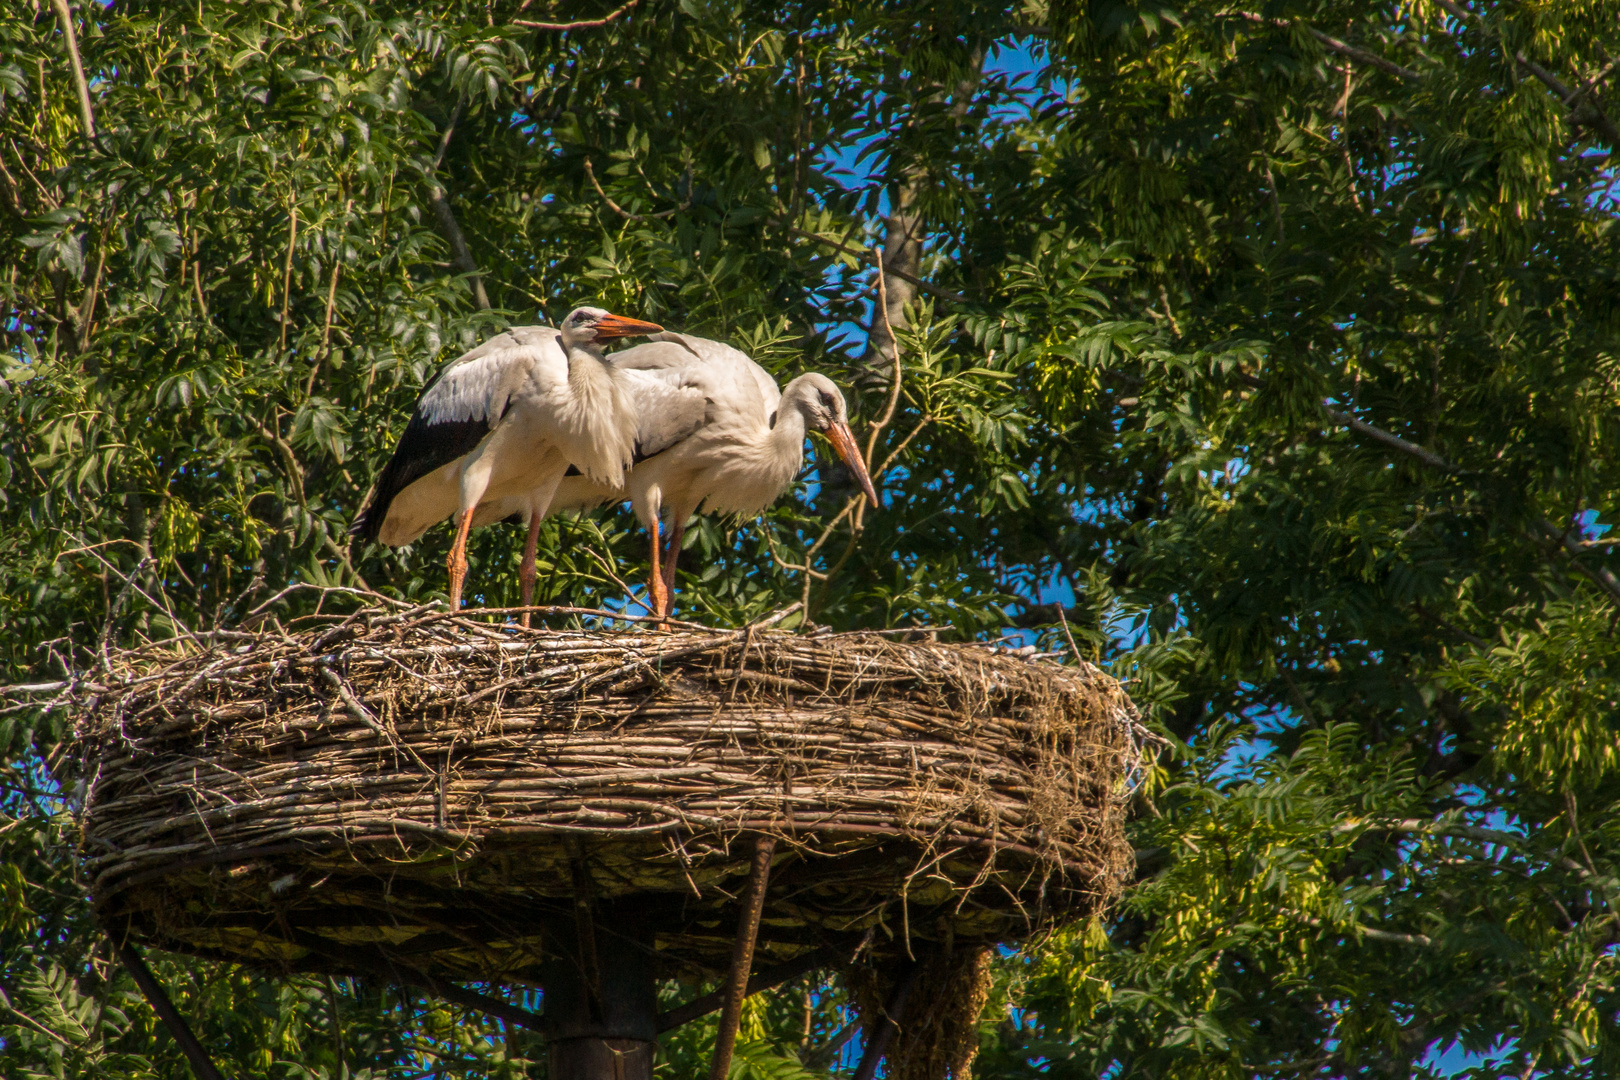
{"x": 715, "y": 433}
{"x": 494, "y": 434}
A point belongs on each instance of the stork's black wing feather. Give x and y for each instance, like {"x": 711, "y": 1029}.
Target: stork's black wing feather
{"x": 457, "y": 410}
{"x": 423, "y": 447}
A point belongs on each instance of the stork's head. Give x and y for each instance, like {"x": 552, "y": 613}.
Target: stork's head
{"x": 591, "y": 325}
{"x": 822, "y": 405}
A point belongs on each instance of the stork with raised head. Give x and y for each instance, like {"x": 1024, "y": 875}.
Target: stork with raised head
{"x": 715, "y": 433}
{"x": 495, "y": 432}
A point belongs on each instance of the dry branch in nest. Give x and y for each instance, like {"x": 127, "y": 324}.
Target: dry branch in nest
{"x": 414, "y": 791}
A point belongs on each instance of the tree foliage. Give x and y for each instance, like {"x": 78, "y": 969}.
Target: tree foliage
{"x": 1274, "y": 348}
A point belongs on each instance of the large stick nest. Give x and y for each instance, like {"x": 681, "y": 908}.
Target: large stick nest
{"x": 410, "y": 789}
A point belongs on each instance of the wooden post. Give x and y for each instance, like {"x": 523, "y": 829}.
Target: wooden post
{"x": 601, "y": 998}
{"x": 742, "y": 956}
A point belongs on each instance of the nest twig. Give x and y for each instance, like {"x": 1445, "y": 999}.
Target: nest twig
{"x": 409, "y": 787}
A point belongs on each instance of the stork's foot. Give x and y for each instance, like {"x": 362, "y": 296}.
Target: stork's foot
{"x": 671, "y": 554}
{"x": 658, "y": 596}
{"x": 527, "y": 576}
{"x": 457, "y": 563}
{"x": 458, "y": 575}
{"x": 526, "y": 570}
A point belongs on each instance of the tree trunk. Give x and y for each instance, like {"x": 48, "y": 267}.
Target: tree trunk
{"x": 902, "y": 254}
{"x": 903, "y": 237}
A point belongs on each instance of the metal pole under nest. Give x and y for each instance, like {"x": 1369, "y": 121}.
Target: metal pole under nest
{"x": 742, "y": 956}
{"x": 161, "y": 1004}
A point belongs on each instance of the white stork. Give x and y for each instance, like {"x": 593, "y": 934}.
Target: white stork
{"x": 714, "y": 432}
{"x": 495, "y": 432}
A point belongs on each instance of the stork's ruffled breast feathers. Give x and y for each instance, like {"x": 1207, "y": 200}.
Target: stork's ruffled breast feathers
{"x": 597, "y": 422}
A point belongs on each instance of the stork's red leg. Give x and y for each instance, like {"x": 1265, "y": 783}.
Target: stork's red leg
{"x": 677, "y": 529}
{"x": 655, "y": 576}
{"x": 526, "y": 572}
{"x": 457, "y": 563}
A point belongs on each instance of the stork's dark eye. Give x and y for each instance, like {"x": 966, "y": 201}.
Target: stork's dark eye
{"x": 827, "y": 401}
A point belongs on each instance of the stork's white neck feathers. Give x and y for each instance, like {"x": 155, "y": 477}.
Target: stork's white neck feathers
{"x": 598, "y": 417}
{"x": 786, "y": 440}
{"x": 754, "y": 480}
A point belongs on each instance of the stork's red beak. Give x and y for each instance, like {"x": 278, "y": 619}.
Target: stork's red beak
{"x": 843, "y": 441}
{"x": 609, "y": 327}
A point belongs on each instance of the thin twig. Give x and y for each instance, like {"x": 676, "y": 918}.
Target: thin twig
{"x": 590, "y": 173}
{"x": 905, "y": 442}
{"x": 607, "y": 568}
{"x": 331, "y": 302}
{"x": 582, "y": 24}
{"x": 1063, "y": 621}
{"x": 286, "y": 278}
{"x": 159, "y": 604}
{"x": 87, "y": 118}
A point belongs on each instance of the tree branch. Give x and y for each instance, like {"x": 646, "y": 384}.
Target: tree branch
{"x": 1333, "y": 44}
{"x": 871, "y": 259}
{"x": 582, "y": 24}
{"x": 894, "y": 358}
{"x": 461, "y": 257}
{"x": 1420, "y": 940}
{"x": 86, "y": 117}
{"x": 87, "y": 306}
{"x": 1601, "y": 576}
{"x": 1394, "y": 442}
{"x": 460, "y": 995}
{"x": 1588, "y": 116}
{"x": 1352, "y": 52}
{"x": 742, "y": 953}
{"x": 769, "y": 978}
{"x": 158, "y": 998}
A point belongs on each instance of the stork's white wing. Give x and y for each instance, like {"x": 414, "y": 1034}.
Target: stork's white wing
{"x": 681, "y": 383}
{"x": 722, "y": 364}
{"x": 457, "y": 412}
{"x": 669, "y": 408}
{"x": 478, "y": 385}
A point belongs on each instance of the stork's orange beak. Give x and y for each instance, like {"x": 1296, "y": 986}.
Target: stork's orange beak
{"x": 609, "y": 327}
{"x": 843, "y": 441}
